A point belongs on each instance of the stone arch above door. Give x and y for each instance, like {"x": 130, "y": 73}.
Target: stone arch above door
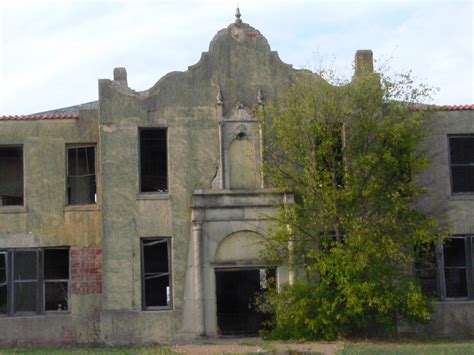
{"x": 242, "y": 247}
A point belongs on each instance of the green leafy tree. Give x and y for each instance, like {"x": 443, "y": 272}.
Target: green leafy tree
{"x": 350, "y": 154}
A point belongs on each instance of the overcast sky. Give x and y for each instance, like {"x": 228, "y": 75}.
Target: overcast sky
{"x": 53, "y": 52}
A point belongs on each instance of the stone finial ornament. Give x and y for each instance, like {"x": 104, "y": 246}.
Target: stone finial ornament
{"x": 120, "y": 75}
{"x": 260, "y": 98}
{"x": 219, "y": 98}
{"x": 238, "y": 21}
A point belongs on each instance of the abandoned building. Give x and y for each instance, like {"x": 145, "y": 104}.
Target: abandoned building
{"x": 137, "y": 218}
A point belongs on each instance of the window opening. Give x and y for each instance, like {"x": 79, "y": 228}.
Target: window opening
{"x": 426, "y": 270}
{"x": 461, "y": 151}
{"x": 25, "y": 281}
{"x": 11, "y": 176}
{"x": 3, "y": 282}
{"x": 156, "y": 273}
{"x": 153, "y": 160}
{"x": 455, "y": 271}
{"x": 34, "y": 280}
{"x": 56, "y": 279}
{"x": 445, "y": 271}
{"x": 81, "y": 181}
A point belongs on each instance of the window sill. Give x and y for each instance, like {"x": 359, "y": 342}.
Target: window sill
{"x": 158, "y": 309}
{"x": 454, "y": 301}
{"x": 154, "y": 196}
{"x": 13, "y": 209}
{"x": 462, "y": 197}
{"x": 36, "y": 315}
{"x": 78, "y": 208}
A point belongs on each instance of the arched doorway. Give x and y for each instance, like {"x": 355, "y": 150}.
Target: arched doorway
{"x": 240, "y": 279}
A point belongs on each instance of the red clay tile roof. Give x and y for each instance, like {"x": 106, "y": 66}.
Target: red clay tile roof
{"x": 39, "y": 117}
{"x": 454, "y": 107}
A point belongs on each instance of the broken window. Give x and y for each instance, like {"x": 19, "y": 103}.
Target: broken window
{"x": 156, "y": 276}
{"x": 81, "y": 177}
{"x": 461, "y": 152}
{"x": 35, "y": 281}
{"x": 455, "y": 270}
{"x": 11, "y": 176}
{"x": 25, "y": 281}
{"x": 3, "y": 282}
{"x": 426, "y": 270}
{"x": 153, "y": 160}
{"x": 445, "y": 272}
{"x": 56, "y": 279}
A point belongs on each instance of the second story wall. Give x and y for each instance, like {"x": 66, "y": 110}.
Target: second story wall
{"x": 451, "y": 201}
{"x": 38, "y": 211}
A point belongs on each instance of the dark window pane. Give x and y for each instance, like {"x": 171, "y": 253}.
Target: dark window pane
{"x": 25, "y": 296}
{"x": 81, "y": 161}
{"x": 463, "y": 178}
{"x": 425, "y": 257}
{"x": 155, "y": 254}
{"x": 429, "y": 282}
{"x": 153, "y": 160}
{"x": 25, "y": 265}
{"x": 11, "y": 176}
{"x": 156, "y": 277}
{"x": 456, "y": 284}
{"x": 56, "y": 264}
{"x": 71, "y": 162}
{"x": 56, "y": 296}
{"x": 3, "y": 268}
{"x": 81, "y": 190}
{"x": 454, "y": 252}
{"x": 3, "y": 299}
{"x": 157, "y": 291}
{"x": 461, "y": 150}
{"x": 90, "y": 151}
{"x": 81, "y": 175}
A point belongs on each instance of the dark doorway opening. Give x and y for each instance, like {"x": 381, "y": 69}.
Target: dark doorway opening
{"x": 236, "y": 292}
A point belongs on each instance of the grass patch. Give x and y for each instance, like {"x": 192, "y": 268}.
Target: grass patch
{"x": 89, "y": 350}
{"x": 408, "y": 348}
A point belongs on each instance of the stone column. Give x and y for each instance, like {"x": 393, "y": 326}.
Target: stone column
{"x": 287, "y": 200}
{"x": 291, "y": 267}
{"x": 198, "y": 279}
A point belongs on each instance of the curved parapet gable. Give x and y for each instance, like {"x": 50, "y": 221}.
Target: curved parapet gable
{"x": 239, "y": 61}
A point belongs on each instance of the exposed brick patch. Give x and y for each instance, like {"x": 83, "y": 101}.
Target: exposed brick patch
{"x": 86, "y": 270}
{"x": 68, "y": 335}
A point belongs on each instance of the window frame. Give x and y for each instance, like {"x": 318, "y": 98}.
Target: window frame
{"x": 40, "y": 283}
{"x": 96, "y": 166}
{"x": 23, "y": 175}
{"x": 440, "y": 268}
{"x": 170, "y": 274}
{"x": 450, "y": 163}
{"x": 160, "y": 128}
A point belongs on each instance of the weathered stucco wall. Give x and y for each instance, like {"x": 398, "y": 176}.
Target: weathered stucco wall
{"x": 215, "y": 194}
{"x": 239, "y": 63}
{"x": 46, "y": 221}
{"x": 456, "y": 212}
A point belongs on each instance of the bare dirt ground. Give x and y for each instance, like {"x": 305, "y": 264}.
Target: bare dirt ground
{"x": 256, "y": 346}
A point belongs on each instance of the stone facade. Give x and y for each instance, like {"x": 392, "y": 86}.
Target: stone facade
{"x": 211, "y": 211}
